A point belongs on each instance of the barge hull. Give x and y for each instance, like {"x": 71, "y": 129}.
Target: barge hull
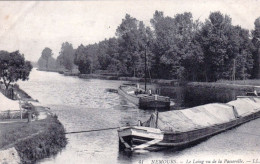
{"x": 177, "y": 140}
{"x": 145, "y": 102}
{"x": 132, "y": 99}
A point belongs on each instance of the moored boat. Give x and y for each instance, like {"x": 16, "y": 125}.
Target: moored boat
{"x": 143, "y": 100}
{"x": 179, "y": 128}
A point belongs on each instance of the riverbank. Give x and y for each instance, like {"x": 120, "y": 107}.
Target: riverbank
{"x": 73, "y": 72}
{"x": 132, "y": 79}
{"x": 101, "y": 76}
{"x": 190, "y": 94}
{"x": 41, "y": 138}
{"x": 200, "y": 93}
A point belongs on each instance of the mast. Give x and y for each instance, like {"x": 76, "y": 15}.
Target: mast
{"x": 157, "y": 115}
{"x": 145, "y": 69}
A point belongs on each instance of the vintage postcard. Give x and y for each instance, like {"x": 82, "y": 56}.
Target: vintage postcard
{"x": 130, "y": 82}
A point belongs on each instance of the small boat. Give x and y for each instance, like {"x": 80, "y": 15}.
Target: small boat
{"x": 143, "y": 100}
{"x": 181, "y": 128}
{"x": 111, "y": 90}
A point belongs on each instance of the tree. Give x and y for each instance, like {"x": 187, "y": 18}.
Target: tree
{"x": 145, "y": 39}
{"x": 87, "y": 58}
{"x": 127, "y": 33}
{"x": 46, "y": 54}
{"x": 103, "y": 56}
{"x": 185, "y": 50}
{"x": 174, "y": 46}
{"x": 113, "y": 63}
{"x": 227, "y": 49}
{"x": 46, "y": 60}
{"x": 82, "y": 60}
{"x": 241, "y": 50}
{"x": 214, "y": 39}
{"x": 66, "y": 57}
{"x": 177, "y": 47}
{"x": 256, "y": 53}
{"x": 133, "y": 38}
{"x": 41, "y": 63}
{"x": 13, "y": 67}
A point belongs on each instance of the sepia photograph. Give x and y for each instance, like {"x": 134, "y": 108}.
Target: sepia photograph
{"x": 130, "y": 82}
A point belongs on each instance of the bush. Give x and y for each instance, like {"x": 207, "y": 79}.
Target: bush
{"x": 43, "y": 144}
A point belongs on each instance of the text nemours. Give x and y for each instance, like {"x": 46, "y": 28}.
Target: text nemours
{"x": 200, "y": 161}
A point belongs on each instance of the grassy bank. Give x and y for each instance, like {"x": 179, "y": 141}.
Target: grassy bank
{"x": 133, "y": 79}
{"x": 35, "y": 140}
{"x": 48, "y": 70}
{"x": 198, "y": 93}
{"x": 97, "y": 76}
{"x": 241, "y": 82}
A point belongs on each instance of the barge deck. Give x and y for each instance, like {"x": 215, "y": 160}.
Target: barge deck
{"x": 184, "y": 127}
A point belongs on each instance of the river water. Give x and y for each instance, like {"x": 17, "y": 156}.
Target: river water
{"x": 84, "y": 105}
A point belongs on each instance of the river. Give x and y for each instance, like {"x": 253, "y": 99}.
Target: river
{"x": 84, "y": 105}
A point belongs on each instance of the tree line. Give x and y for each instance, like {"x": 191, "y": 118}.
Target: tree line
{"x": 65, "y": 60}
{"x": 176, "y": 48}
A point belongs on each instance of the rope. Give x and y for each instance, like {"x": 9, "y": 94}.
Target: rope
{"x": 94, "y": 130}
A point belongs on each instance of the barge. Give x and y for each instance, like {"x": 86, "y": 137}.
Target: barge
{"x": 179, "y": 128}
{"x": 143, "y": 100}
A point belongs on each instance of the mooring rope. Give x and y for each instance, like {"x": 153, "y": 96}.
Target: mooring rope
{"x": 93, "y": 130}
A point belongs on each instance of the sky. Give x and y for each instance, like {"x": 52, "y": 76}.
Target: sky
{"x": 30, "y": 26}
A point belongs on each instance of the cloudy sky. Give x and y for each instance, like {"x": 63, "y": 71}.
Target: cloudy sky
{"x": 31, "y": 26}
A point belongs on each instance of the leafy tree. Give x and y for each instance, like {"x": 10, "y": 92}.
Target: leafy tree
{"x": 193, "y": 62}
{"x": 162, "y": 26}
{"x": 174, "y": 46}
{"x": 213, "y": 39}
{"x": 185, "y": 49}
{"x": 87, "y": 58}
{"x": 127, "y": 33}
{"x": 114, "y": 64}
{"x": 241, "y": 49}
{"x": 92, "y": 54}
{"x": 41, "y": 63}
{"x": 46, "y": 54}
{"x": 133, "y": 38}
{"x": 13, "y": 67}
{"x": 103, "y": 56}
{"x": 81, "y": 61}
{"x": 256, "y": 53}
{"x": 145, "y": 40}
{"x": 46, "y": 60}
{"x": 66, "y": 57}
{"x": 227, "y": 49}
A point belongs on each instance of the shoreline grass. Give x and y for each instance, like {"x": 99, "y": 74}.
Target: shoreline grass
{"x": 35, "y": 140}
{"x": 200, "y": 93}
